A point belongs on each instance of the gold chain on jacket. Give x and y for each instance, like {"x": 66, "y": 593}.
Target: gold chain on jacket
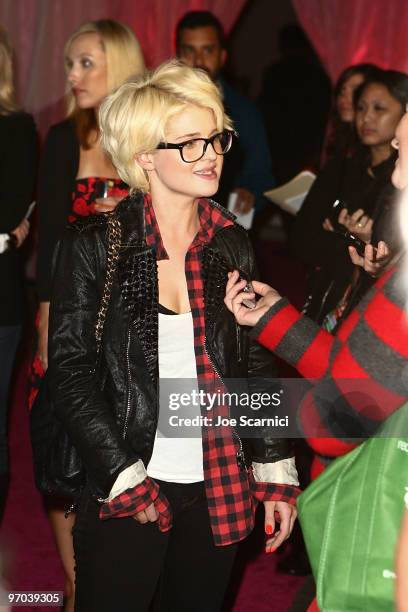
{"x": 114, "y": 240}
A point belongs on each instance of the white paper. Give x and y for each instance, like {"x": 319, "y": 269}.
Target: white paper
{"x": 293, "y": 205}
{"x": 245, "y": 220}
{"x": 291, "y": 195}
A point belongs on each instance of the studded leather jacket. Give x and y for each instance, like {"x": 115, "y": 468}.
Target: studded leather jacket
{"x": 112, "y": 417}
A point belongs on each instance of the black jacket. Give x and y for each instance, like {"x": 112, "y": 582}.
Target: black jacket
{"x": 58, "y": 169}
{"x": 115, "y": 427}
{"x": 18, "y": 168}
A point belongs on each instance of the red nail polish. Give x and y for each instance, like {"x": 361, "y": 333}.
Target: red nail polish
{"x": 268, "y": 529}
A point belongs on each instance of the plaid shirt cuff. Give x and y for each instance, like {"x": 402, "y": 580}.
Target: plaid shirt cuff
{"x": 269, "y": 491}
{"x": 266, "y": 491}
{"x": 135, "y": 500}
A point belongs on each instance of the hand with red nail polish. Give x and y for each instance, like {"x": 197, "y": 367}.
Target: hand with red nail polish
{"x": 287, "y": 516}
{"x": 268, "y": 529}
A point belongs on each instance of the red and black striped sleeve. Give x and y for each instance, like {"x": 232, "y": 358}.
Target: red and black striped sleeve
{"x": 295, "y": 338}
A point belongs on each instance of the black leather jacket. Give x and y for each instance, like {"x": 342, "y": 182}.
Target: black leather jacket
{"x": 112, "y": 421}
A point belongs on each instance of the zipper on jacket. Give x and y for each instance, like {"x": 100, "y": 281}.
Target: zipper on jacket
{"x": 240, "y": 455}
{"x": 238, "y": 334}
{"x": 129, "y": 389}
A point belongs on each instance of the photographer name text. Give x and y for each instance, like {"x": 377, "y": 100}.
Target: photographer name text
{"x": 220, "y": 421}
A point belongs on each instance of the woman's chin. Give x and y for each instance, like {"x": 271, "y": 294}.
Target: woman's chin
{"x": 210, "y": 192}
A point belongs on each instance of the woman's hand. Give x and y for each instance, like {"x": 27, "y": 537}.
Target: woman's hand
{"x": 106, "y": 205}
{"x": 21, "y": 232}
{"x": 327, "y": 225}
{"x": 375, "y": 260}
{"x": 287, "y": 514}
{"x": 234, "y": 297}
{"x": 42, "y": 348}
{"x": 150, "y": 515}
{"x": 359, "y": 224}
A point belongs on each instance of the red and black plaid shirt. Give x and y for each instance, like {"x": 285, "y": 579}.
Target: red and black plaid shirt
{"x": 232, "y": 493}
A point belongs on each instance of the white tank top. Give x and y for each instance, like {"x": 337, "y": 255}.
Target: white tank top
{"x": 177, "y": 459}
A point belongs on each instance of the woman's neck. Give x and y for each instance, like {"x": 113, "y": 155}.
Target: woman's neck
{"x": 179, "y": 219}
{"x": 380, "y": 153}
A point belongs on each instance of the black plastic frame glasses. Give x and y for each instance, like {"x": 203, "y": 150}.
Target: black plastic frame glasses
{"x": 220, "y": 142}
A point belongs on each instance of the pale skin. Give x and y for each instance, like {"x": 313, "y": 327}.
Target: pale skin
{"x": 175, "y": 188}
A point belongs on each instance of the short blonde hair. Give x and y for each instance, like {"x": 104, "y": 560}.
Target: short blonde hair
{"x": 7, "y": 92}
{"x": 133, "y": 119}
{"x": 124, "y": 58}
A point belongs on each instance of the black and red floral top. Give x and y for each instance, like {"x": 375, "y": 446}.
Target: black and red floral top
{"x": 89, "y": 189}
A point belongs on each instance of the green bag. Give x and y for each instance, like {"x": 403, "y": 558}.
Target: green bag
{"x": 351, "y": 516}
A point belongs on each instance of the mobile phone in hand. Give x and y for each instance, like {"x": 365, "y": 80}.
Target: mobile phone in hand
{"x": 337, "y": 206}
{"x": 354, "y": 241}
{"x": 247, "y": 289}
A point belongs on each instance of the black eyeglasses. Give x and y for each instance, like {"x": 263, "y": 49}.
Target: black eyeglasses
{"x": 194, "y": 149}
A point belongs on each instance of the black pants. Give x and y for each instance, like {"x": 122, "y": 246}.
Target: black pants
{"x": 9, "y": 339}
{"x": 120, "y": 564}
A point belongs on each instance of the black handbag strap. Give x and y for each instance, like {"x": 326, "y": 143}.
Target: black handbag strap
{"x": 114, "y": 239}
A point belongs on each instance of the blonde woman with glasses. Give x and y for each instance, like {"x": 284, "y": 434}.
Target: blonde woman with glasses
{"x": 161, "y": 512}
{"x": 77, "y": 178}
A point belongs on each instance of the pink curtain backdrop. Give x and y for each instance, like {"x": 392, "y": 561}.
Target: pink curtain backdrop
{"x": 348, "y": 32}
{"x": 38, "y": 30}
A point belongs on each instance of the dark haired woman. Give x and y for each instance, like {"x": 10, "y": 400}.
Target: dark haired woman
{"x": 75, "y": 173}
{"x": 342, "y": 138}
{"x": 364, "y": 189}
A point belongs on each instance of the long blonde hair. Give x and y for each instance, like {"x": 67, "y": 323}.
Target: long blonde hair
{"x": 124, "y": 58}
{"x": 7, "y": 92}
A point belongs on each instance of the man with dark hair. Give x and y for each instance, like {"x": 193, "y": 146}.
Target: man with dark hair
{"x": 201, "y": 43}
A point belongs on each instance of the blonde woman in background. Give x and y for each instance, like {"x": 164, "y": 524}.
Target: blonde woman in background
{"x": 75, "y": 177}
